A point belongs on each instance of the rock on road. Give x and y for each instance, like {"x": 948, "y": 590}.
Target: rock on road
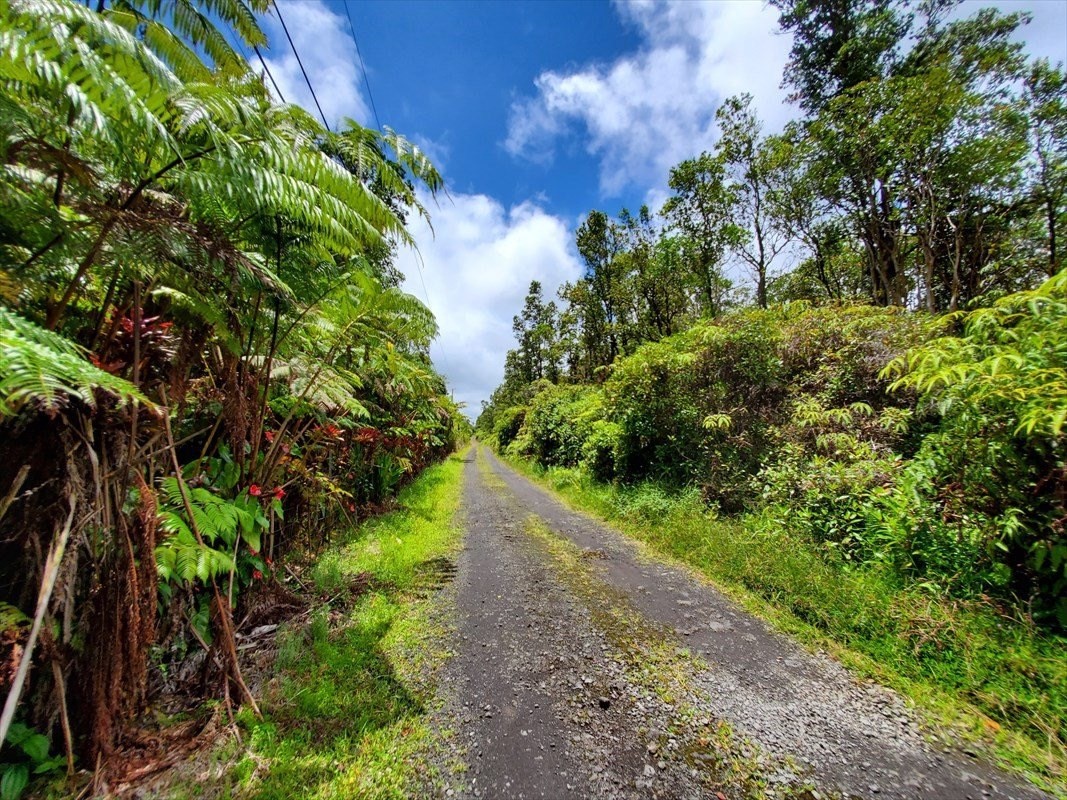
{"x": 584, "y": 669}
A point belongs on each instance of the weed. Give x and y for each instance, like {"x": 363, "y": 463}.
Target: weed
{"x": 346, "y": 716}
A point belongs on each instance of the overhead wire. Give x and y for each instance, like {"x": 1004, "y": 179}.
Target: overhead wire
{"x": 370, "y": 95}
{"x": 374, "y": 109}
{"x": 266, "y": 69}
{"x": 237, "y": 40}
{"x": 300, "y": 63}
{"x": 362, "y": 66}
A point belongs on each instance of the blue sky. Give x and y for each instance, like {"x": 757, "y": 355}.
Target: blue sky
{"x": 537, "y": 112}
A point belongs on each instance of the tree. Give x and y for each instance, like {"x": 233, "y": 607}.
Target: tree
{"x": 659, "y": 290}
{"x": 839, "y": 44}
{"x": 600, "y": 242}
{"x": 920, "y": 156}
{"x": 170, "y": 237}
{"x": 756, "y": 173}
{"x": 537, "y": 336}
{"x": 699, "y": 212}
{"x": 1046, "y": 108}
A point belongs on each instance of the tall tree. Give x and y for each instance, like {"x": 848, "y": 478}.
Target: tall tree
{"x": 1046, "y": 107}
{"x": 699, "y": 212}
{"x": 536, "y": 331}
{"x": 603, "y": 294}
{"x": 838, "y": 44}
{"x": 659, "y": 291}
{"x": 755, "y": 172}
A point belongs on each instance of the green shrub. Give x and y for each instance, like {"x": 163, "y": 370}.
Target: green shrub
{"x": 997, "y": 458}
{"x": 508, "y": 425}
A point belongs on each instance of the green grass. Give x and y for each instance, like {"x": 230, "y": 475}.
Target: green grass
{"x": 347, "y": 715}
{"x": 998, "y": 683}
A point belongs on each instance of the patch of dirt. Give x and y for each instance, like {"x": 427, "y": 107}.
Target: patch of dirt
{"x": 145, "y": 753}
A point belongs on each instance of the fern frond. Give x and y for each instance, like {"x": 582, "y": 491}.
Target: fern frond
{"x": 42, "y": 368}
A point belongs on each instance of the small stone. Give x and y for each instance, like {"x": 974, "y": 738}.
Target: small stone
{"x": 649, "y": 770}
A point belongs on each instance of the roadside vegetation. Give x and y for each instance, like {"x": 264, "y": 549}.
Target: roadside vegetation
{"x": 346, "y": 712}
{"x": 205, "y": 361}
{"x": 866, "y": 440}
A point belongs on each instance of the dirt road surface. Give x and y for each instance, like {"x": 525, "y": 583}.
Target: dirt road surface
{"x": 584, "y": 669}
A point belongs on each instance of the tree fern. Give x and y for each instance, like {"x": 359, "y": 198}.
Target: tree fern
{"x": 41, "y": 368}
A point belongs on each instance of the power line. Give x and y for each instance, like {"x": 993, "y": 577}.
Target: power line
{"x": 236, "y": 37}
{"x": 269, "y": 74}
{"x": 378, "y": 122}
{"x": 363, "y": 67}
{"x": 311, "y": 89}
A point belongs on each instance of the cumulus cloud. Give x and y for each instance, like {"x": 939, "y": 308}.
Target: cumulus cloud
{"x": 329, "y": 54}
{"x": 477, "y": 270}
{"x": 648, "y": 110}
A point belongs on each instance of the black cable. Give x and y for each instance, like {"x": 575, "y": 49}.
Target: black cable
{"x": 366, "y": 80}
{"x": 244, "y": 54}
{"x": 269, "y": 75}
{"x": 311, "y": 89}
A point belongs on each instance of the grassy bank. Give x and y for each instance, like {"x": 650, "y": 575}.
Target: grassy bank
{"x": 997, "y": 682}
{"x": 347, "y": 712}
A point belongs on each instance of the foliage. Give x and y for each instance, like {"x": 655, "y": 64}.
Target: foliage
{"x": 199, "y": 295}
{"x": 1001, "y": 391}
{"x": 882, "y": 441}
{"x": 43, "y": 370}
{"x": 33, "y": 748}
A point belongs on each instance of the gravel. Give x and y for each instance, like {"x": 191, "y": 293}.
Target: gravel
{"x": 548, "y": 698}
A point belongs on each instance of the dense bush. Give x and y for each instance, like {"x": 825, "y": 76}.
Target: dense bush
{"x": 994, "y": 468}
{"x": 876, "y": 434}
{"x": 507, "y": 427}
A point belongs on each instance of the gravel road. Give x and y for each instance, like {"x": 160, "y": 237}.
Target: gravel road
{"x": 583, "y": 669}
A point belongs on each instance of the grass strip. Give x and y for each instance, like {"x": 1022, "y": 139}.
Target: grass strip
{"x": 347, "y": 714}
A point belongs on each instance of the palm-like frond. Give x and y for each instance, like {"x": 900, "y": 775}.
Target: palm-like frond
{"x": 41, "y": 368}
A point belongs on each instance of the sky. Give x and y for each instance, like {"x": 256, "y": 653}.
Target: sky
{"x": 536, "y": 112}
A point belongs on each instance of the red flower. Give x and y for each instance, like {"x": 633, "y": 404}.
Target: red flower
{"x": 257, "y": 575}
{"x": 278, "y": 492}
{"x": 254, "y": 490}
{"x": 269, "y": 436}
{"x": 269, "y": 560}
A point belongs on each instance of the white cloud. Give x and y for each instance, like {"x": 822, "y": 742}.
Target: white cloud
{"x": 329, "y": 54}
{"x": 477, "y": 271}
{"x": 648, "y": 110}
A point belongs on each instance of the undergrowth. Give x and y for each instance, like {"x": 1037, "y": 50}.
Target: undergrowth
{"x": 996, "y": 681}
{"x": 347, "y": 713}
